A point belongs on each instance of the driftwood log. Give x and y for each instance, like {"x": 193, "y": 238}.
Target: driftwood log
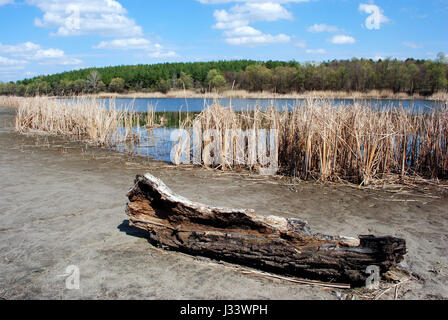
{"x": 275, "y": 244}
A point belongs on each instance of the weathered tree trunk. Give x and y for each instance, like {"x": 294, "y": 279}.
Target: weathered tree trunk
{"x": 275, "y": 244}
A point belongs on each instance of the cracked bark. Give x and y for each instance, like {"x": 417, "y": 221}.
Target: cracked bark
{"x": 275, "y": 244}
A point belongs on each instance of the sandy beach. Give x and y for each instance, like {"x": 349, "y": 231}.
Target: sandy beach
{"x": 62, "y": 203}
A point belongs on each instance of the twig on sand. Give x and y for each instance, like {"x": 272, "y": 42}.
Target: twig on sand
{"x": 396, "y": 292}
{"x": 395, "y": 286}
{"x": 295, "y": 280}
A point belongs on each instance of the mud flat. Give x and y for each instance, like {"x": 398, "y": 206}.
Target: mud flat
{"x": 62, "y": 203}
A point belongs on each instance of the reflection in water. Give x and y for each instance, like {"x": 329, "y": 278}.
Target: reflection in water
{"x": 198, "y": 104}
{"x": 154, "y": 143}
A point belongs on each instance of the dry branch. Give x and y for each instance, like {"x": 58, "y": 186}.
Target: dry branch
{"x": 274, "y": 244}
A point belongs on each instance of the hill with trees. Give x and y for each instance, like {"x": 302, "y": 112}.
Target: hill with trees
{"x": 411, "y": 76}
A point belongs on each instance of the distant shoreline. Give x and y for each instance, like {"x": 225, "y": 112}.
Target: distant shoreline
{"x": 242, "y": 94}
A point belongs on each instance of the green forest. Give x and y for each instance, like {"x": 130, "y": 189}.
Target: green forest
{"x": 412, "y": 76}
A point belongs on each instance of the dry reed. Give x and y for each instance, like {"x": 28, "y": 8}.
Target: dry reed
{"x": 10, "y": 101}
{"x": 244, "y": 94}
{"x": 82, "y": 119}
{"x": 316, "y": 140}
{"x": 320, "y": 141}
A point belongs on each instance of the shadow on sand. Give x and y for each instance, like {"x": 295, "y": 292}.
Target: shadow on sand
{"x": 132, "y": 231}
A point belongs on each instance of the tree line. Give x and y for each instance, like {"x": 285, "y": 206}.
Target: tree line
{"x": 411, "y": 76}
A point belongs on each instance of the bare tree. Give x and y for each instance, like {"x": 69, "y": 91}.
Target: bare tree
{"x": 92, "y": 81}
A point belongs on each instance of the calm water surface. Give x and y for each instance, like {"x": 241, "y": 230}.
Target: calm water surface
{"x": 156, "y": 143}
{"x": 198, "y": 104}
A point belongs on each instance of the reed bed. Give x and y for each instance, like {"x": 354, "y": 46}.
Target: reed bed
{"x": 350, "y": 142}
{"x": 316, "y": 139}
{"x": 82, "y": 119}
{"x": 372, "y": 94}
{"x": 10, "y": 101}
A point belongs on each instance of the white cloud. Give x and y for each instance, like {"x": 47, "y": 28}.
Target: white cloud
{"x": 106, "y": 18}
{"x": 125, "y": 44}
{"x": 12, "y": 63}
{"x": 376, "y": 17}
{"x": 322, "y": 28}
{"x": 342, "y": 39}
{"x": 411, "y": 45}
{"x": 243, "y": 31}
{"x": 20, "y": 50}
{"x": 159, "y": 54}
{"x": 316, "y": 51}
{"x": 10, "y": 67}
{"x": 242, "y": 15}
{"x": 236, "y": 21}
{"x": 254, "y": 1}
{"x": 258, "y": 40}
{"x": 4, "y": 2}
{"x": 80, "y": 17}
{"x": 34, "y": 52}
{"x": 154, "y": 50}
{"x": 249, "y": 36}
{"x": 54, "y": 56}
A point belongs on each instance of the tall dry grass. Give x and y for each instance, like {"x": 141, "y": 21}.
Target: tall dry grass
{"x": 317, "y": 140}
{"x": 10, "y": 101}
{"x": 244, "y": 94}
{"x": 82, "y": 119}
{"x": 351, "y": 142}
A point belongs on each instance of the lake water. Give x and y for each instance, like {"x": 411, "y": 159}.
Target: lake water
{"x": 157, "y": 143}
{"x": 198, "y": 104}
{"x": 154, "y": 143}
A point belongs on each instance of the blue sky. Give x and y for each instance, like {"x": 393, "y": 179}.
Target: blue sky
{"x": 47, "y": 36}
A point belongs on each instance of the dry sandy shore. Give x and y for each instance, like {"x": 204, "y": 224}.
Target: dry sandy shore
{"x": 62, "y": 204}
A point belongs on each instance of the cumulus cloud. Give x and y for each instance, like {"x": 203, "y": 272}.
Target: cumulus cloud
{"x": 81, "y": 17}
{"x": 106, "y": 18}
{"x": 242, "y": 31}
{"x": 7, "y": 64}
{"x": 54, "y": 56}
{"x": 154, "y": 50}
{"x": 10, "y": 66}
{"x": 125, "y": 44}
{"x": 34, "y": 52}
{"x": 236, "y": 21}
{"x": 316, "y": 28}
{"x": 258, "y": 40}
{"x": 376, "y": 17}
{"x": 229, "y": 1}
{"x": 242, "y": 15}
{"x": 20, "y": 50}
{"x": 342, "y": 39}
{"x": 159, "y": 54}
{"x": 247, "y": 35}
